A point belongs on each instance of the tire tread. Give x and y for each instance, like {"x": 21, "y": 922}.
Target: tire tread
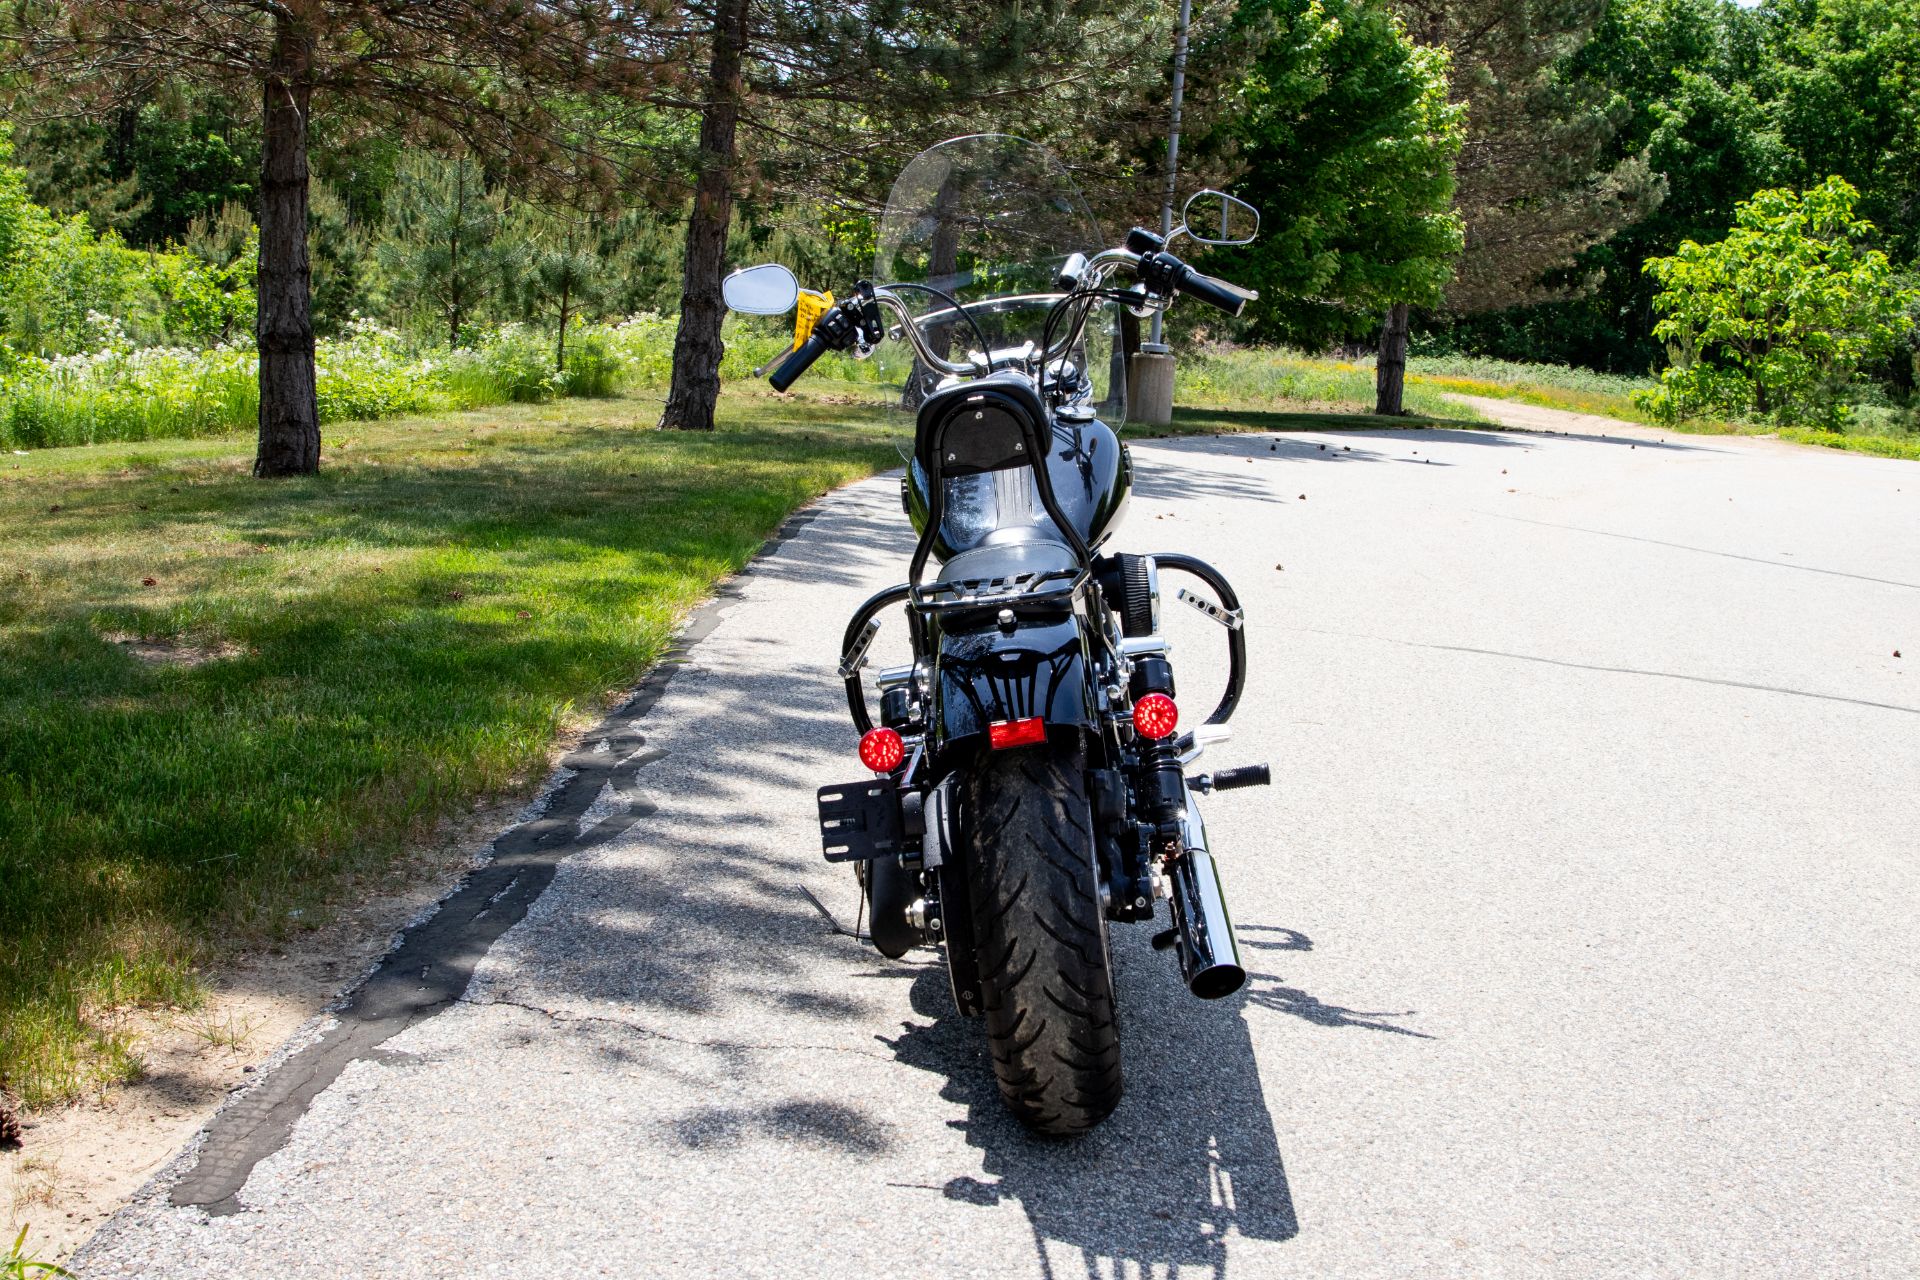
{"x": 1046, "y": 980}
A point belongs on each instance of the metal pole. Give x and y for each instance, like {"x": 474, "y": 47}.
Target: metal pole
{"x": 1173, "y": 134}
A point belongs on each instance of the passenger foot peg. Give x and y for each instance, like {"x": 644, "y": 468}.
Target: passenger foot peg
{"x": 1253, "y": 775}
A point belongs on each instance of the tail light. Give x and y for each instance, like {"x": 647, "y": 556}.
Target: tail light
{"x": 1016, "y": 733}
{"x": 881, "y": 750}
{"x": 1155, "y": 716}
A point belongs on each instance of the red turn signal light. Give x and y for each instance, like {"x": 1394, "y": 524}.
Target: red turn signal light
{"x": 1155, "y": 716}
{"x": 881, "y": 750}
{"x": 1017, "y": 733}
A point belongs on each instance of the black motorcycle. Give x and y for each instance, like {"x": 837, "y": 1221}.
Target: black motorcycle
{"x": 1029, "y": 776}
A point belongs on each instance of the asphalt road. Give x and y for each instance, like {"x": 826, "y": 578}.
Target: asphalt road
{"x": 1583, "y": 918}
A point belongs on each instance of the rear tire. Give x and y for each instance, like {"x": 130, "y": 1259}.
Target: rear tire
{"x": 1046, "y": 976}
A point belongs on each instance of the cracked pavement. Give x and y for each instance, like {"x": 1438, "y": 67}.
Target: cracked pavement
{"x": 1581, "y": 919}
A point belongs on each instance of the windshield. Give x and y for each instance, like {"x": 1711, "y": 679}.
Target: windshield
{"x": 988, "y": 220}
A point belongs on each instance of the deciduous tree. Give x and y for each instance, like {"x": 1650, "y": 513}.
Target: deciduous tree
{"x": 1775, "y": 318}
{"x": 1348, "y": 138}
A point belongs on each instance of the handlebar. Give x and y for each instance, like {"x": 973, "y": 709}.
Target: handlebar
{"x": 1159, "y": 271}
{"x": 1166, "y": 274}
{"x": 799, "y": 361}
{"x": 1230, "y": 298}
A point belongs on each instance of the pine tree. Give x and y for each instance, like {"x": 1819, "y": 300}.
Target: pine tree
{"x": 441, "y": 249}
{"x": 565, "y": 272}
{"x": 512, "y": 81}
{"x": 824, "y": 103}
{"x": 1534, "y": 184}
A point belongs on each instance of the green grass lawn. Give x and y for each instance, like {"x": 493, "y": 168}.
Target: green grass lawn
{"x": 1192, "y": 421}
{"x": 222, "y": 697}
{"x": 1611, "y": 395}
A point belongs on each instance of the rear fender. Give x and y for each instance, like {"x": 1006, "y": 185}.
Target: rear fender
{"x": 984, "y": 675}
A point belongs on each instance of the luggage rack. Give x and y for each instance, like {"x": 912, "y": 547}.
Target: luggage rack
{"x": 1051, "y": 587}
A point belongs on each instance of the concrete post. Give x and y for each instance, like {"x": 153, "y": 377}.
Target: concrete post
{"x": 1150, "y": 385}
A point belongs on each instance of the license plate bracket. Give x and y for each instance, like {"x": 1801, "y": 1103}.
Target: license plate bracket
{"x": 860, "y": 821}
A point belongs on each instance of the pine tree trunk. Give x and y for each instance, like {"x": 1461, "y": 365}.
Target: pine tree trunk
{"x": 1390, "y": 369}
{"x": 696, "y": 346}
{"x": 456, "y": 310}
{"x": 289, "y": 409}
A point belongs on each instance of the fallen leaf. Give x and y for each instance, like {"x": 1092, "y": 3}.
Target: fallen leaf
{"x": 1303, "y": 497}
{"x": 149, "y": 582}
{"x": 1280, "y": 567}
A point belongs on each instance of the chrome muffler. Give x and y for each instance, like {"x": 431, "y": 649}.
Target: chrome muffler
{"x": 1209, "y": 956}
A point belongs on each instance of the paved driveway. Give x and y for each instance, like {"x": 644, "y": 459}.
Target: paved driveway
{"x": 1583, "y": 919}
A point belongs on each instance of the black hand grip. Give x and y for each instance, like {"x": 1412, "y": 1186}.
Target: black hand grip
{"x": 1252, "y": 775}
{"x": 799, "y": 362}
{"x": 1230, "y": 298}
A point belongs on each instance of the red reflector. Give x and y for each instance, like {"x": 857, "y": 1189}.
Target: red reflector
{"x": 1017, "y": 733}
{"x": 1155, "y": 716}
{"x": 881, "y": 750}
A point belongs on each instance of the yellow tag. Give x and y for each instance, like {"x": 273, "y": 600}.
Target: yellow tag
{"x": 811, "y": 307}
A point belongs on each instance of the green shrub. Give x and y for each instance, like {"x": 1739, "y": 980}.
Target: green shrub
{"x": 642, "y": 345}
{"x": 592, "y": 368}
{"x": 516, "y": 364}
{"x": 368, "y": 373}
{"x": 122, "y": 394}
{"x": 1774, "y": 319}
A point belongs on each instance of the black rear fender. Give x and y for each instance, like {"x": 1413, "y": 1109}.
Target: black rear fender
{"x": 986, "y": 675}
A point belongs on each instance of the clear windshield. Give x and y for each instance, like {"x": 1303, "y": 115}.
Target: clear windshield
{"x": 988, "y": 220}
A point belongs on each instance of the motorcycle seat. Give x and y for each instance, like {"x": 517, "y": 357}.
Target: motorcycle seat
{"x": 1010, "y": 559}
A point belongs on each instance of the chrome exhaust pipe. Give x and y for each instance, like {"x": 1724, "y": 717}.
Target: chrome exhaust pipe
{"x": 1209, "y": 956}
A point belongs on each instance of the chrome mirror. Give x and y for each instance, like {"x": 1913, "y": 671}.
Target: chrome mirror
{"x": 768, "y": 290}
{"x": 1214, "y": 217}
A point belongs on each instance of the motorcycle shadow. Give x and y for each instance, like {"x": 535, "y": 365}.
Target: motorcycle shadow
{"x": 1187, "y": 1162}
